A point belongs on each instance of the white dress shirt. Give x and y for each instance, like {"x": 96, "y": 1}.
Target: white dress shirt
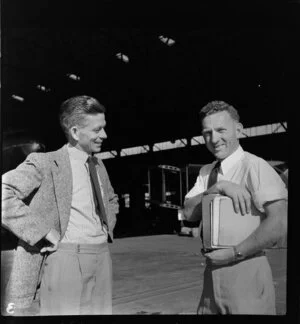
{"x": 248, "y": 170}
{"x": 84, "y": 225}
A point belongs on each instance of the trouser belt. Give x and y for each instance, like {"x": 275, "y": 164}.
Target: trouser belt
{"x": 82, "y": 248}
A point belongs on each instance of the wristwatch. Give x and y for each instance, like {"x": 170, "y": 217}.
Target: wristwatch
{"x": 237, "y": 254}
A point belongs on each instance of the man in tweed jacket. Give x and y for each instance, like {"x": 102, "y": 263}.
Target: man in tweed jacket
{"x": 49, "y": 204}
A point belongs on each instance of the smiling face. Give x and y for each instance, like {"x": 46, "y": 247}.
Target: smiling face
{"x": 220, "y": 132}
{"x": 88, "y": 136}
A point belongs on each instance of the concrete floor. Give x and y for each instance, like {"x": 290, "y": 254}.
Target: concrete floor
{"x": 162, "y": 274}
{"x": 157, "y": 274}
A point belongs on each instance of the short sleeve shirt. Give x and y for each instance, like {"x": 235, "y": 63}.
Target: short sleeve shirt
{"x": 247, "y": 170}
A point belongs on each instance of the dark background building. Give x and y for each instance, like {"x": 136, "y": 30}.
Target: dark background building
{"x": 153, "y": 67}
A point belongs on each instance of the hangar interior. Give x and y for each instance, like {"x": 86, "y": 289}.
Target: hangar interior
{"x": 153, "y": 81}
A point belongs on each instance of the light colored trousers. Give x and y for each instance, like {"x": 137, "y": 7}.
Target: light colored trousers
{"x": 242, "y": 288}
{"x": 77, "y": 280}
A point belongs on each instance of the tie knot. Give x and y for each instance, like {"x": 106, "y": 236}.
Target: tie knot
{"x": 217, "y": 165}
{"x": 213, "y": 175}
{"x": 91, "y": 159}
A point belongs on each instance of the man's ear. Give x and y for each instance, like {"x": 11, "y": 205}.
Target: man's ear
{"x": 239, "y": 128}
{"x": 74, "y": 133}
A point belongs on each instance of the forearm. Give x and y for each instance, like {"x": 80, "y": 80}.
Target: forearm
{"x": 113, "y": 209}
{"x": 271, "y": 229}
{"x": 17, "y": 217}
{"x": 18, "y": 188}
{"x": 113, "y": 204}
{"x": 113, "y": 199}
{"x": 28, "y": 230}
{"x": 192, "y": 208}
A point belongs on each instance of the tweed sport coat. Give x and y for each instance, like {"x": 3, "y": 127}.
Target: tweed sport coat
{"x": 36, "y": 197}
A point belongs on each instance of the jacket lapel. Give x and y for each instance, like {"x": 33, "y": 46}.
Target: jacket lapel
{"x": 62, "y": 178}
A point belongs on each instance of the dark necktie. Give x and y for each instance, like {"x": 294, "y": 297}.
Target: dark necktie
{"x": 213, "y": 175}
{"x": 96, "y": 189}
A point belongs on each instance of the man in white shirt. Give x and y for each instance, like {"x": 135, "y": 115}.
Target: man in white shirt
{"x": 61, "y": 205}
{"x": 238, "y": 280}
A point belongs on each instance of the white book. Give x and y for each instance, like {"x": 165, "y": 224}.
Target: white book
{"x": 222, "y": 226}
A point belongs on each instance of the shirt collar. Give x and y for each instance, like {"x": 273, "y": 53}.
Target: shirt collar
{"x": 231, "y": 160}
{"x": 77, "y": 154}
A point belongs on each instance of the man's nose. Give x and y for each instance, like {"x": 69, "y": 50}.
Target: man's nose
{"x": 214, "y": 137}
{"x": 103, "y": 134}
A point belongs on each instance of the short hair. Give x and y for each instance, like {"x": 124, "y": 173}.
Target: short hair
{"x": 72, "y": 111}
{"x": 217, "y": 106}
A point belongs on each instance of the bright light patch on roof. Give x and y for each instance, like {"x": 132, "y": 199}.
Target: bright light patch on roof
{"x": 264, "y": 130}
{"x": 279, "y": 128}
{"x": 122, "y": 57}
{"x": 28, "y": 147}
{"x": 166, "y": 40}
{"x": 197, "y": 140}
{"x": 107, "y": 155}
{"x": 42, "y": 88}
{"x": 73, "y": 76}
{"x": 18, "y": 98}
{"x": 170, "y": 145}
{"x": 168, "y": 167}
{"x": 135, "y": 150}
{"x": 251, "y": 132}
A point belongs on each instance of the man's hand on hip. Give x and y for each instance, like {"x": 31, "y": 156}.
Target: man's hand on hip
{"x": 53, "y": 238}
{"x": 240, "y": 196}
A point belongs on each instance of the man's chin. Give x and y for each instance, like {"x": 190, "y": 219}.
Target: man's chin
{"x": 96, "y": 149}
{"x": 219, "y": 156}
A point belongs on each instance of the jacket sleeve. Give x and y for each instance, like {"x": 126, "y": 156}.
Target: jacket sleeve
{"x": 112, "y": 205}
{"x": 18, "y": 188}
